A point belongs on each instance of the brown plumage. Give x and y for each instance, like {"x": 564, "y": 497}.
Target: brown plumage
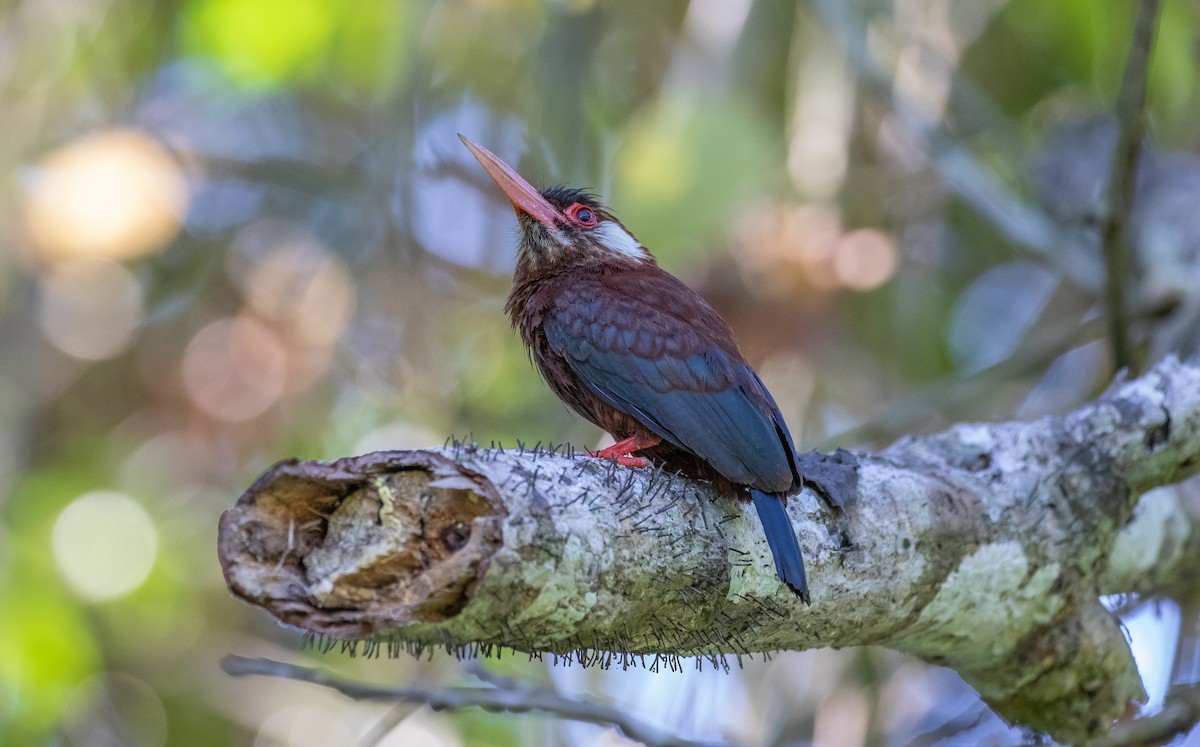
{"x": 646, "y": 296}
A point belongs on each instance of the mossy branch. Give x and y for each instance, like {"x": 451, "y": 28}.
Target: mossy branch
{"x": 983, "y": 548}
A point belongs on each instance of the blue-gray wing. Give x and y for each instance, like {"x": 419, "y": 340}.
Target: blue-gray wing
{"x": 686, "y": 389}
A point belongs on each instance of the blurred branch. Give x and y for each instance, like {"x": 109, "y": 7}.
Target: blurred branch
{"x": 1180, "y": 713}
{"x": 1037, "y": 350}
{"x": 1131, "y": 105}
{"x": 387, "y": 723}
{"x": 952, "y": 730}
{"x": 982, "y": 548}
{"x": 518, "y": 699}
{"x": 1023, "y": 224}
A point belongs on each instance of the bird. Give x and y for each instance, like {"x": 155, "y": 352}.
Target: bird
{"x": 634, "y": 350}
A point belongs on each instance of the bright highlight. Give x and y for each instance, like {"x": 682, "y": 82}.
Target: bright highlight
{"x": 104, "y": 544}
{"x": 235, "y": 369}
{"x": 90, "y": 308}
{"x": 115, "y": 194}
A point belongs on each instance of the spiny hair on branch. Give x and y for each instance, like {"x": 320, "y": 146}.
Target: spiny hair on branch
{"x": 604, "y": 657}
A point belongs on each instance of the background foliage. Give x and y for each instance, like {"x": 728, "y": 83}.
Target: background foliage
{"x": 233, "y": 231}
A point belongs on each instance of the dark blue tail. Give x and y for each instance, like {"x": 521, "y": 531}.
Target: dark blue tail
{"x": 789, "y": 565}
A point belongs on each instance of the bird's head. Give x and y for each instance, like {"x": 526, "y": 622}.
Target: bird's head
{"x": 560, "y": 225}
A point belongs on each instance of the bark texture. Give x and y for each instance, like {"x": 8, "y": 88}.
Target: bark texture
{"x": 984, "y": 548}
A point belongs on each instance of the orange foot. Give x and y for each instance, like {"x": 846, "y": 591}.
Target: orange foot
{"x": 621, "y": 450}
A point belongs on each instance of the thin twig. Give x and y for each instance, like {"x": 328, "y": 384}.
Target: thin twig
{"x": 516, "y": 700}
{"x": 1180, "y": 712}
{"x": 476, "y": 669}
{"x": 1131, "y": 107}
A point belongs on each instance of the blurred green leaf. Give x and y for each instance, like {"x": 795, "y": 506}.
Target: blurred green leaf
{"x": 370, "y": 45}
{"x": 686, "y": 168}
{"x": 46, "y": 650}
{"x": 273, "y": 43}
{"x": 1025, "y": 52}
{"x": 262, "y": 42}
{"x": 1173, "y": 60}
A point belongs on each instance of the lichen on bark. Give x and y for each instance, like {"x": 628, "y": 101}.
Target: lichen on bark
{"x": 983, "y": 548}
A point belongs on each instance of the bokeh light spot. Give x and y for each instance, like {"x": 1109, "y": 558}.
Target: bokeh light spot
{"x": 305, "y": 289}
{"x": 235, "y": 369}
{"x": 105, "y": 544}
{"x": 788, "y": 249}
{"x": 115, "y": 194}
{"x": 865, "y": 259}
{"x": 90, "y": 308}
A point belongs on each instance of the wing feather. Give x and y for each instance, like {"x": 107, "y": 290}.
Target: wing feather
{"x": 662, "y": 371}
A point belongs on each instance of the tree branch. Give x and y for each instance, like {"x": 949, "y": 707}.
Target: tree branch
{"x": 983, "y": 549}
{"x": 513, "y": 699}
{"x": 1025, "y": 225}
{"x": 1131, "y": 106}
{"x": 1179, "y": 713}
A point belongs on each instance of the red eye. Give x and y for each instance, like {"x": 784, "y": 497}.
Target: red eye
{"x": 582, "y": 215}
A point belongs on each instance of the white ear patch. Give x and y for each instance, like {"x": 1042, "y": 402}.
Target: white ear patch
{"x": 618, "y": 240}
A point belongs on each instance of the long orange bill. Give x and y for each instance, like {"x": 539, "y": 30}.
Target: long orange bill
{"x": 524, "y": 197}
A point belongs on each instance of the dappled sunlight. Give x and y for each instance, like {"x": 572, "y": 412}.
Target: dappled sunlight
{"x": 809, "y": 235}
{"x": 785, "y": 248}
{"x": 865, "y": 259}
{"x": 104, "y": 544}
{"x": 306, "y": 291}
{"x": 235, "y": 369}
{"x": 90, "y": 308}
{"x": 301, "y": 292}
{"x": 116, "y": 194}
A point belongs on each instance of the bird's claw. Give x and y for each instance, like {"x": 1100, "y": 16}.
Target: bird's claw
{"x": 625, "y": 460}
{"x": 621, "y": 451}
